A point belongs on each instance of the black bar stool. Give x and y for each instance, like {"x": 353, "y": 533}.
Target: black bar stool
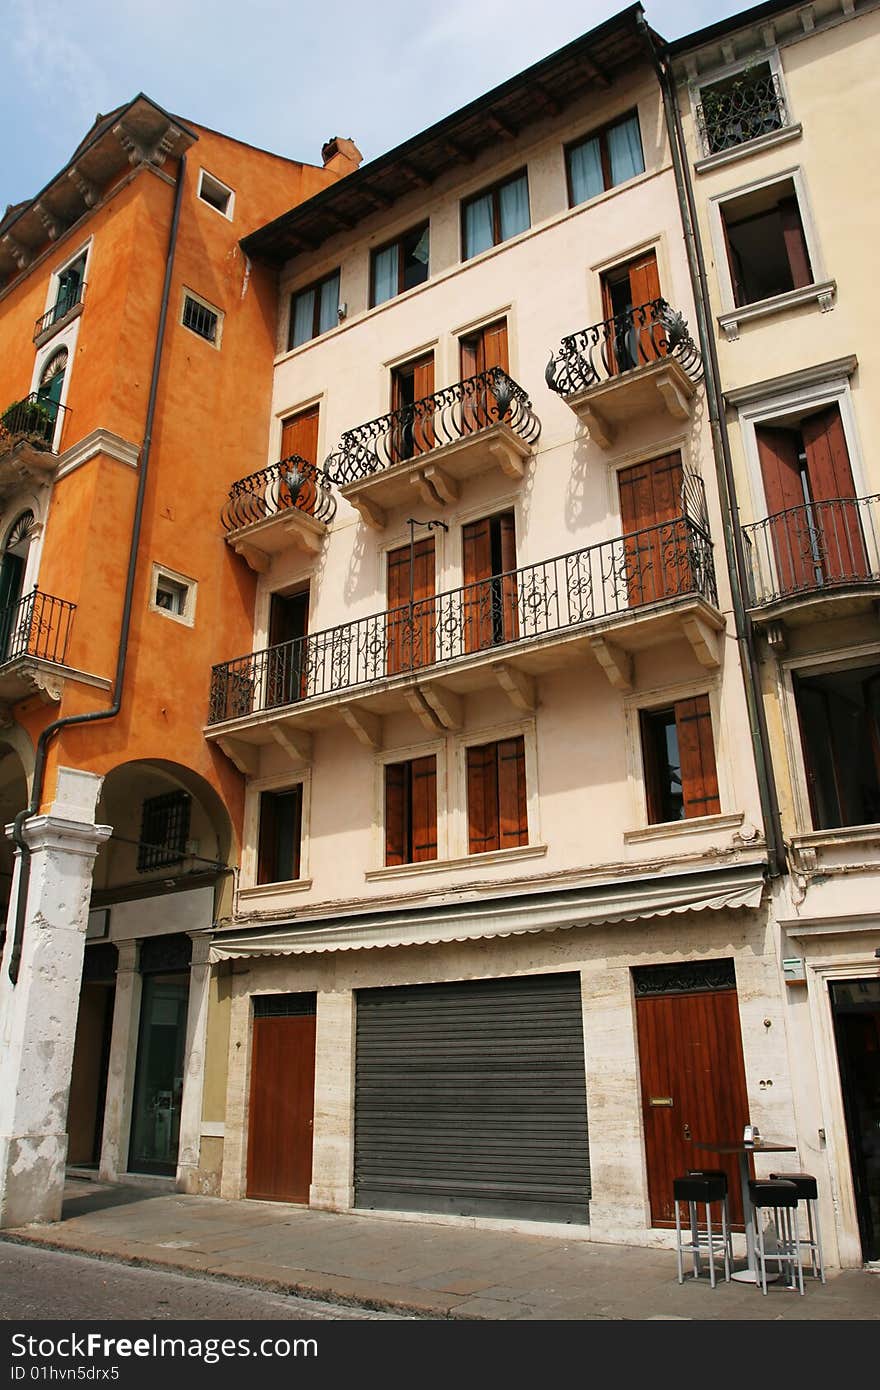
{"x": 780, "y": 1197}
{"x": 722, "y": 1175}
{"x": 702, "y": 1188}
{"x": 808, "y": 1193}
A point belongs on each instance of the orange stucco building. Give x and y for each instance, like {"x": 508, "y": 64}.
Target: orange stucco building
{"x": 135, "y": 383}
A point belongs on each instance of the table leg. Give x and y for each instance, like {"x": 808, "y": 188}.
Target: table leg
{"x": 749, "y": 1275}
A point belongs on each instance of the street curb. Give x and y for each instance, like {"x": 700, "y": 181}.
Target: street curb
{"x": 342, "y": 1290}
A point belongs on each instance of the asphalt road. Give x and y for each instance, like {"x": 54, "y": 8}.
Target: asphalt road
{"x": 45, "y": 1284}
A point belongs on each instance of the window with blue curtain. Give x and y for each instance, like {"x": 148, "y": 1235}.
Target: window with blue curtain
{"x": 603, "y": 160}
{"x": 400, "y": 266}
{"x": 496, "y": 215}
{"x": 314, "y": 310}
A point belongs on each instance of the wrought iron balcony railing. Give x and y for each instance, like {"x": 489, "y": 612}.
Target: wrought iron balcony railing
{"x": 37, "y": 626}
{"x": 291, "y": 484}
{"x": 447, "y": 416}
{"x": 67, "y": 300}
{"x": 646, "y": 333}
{"x": 33, "y": 419}
{"x": 748, "y": 107}
{"x": 822, "y": 545}
{"x": 615, "y": 577}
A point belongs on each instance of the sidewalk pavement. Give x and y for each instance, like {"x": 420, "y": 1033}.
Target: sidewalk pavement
{"x": 422, "y": 1268}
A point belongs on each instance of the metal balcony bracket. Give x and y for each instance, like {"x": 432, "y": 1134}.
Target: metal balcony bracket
{"x": 616, "y": 663}
{"x": 704, "y": 639}
{"x": 244, "y": 756}
{"x": 444, "y": 704}
{"x": 257, "y": 559}
{"x": 366, "y": 727}
{"x": 519, "y": 687}
{"x": 297, "y": 743}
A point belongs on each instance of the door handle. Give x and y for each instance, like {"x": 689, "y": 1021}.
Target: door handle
{"x": 687, "y": 1132}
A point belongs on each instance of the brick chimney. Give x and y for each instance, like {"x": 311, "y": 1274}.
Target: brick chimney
{"x": 340, "y": 155}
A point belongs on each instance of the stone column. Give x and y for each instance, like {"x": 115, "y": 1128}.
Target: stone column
{"x": 189, "y": 1150}
{"x": 333, "y": 1152}
{"x": 123, "y": 1056}
{"x": 38, "y": 1014}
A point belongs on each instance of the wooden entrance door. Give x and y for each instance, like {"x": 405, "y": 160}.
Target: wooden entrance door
{"x": 282, "y": 1107}
{"x": 655, "y": 537}
{"x": 693, "y": 1087}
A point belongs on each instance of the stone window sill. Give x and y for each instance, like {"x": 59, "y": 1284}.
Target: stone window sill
{"x": 748, "y": 148}
{"x": 683, "y": 827}
{"x": 466, "y": 861}
{"x": 822, "y": 294}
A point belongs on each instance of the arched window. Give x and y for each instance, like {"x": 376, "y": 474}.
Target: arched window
{"x": 12, "y": 568}
{"x": 52, "y": 379}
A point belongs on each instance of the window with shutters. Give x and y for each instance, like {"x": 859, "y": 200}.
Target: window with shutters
{"x": 678, "y": 753}
{"x": 411, "y": 811}
{"x": 280, "y": 835}
{"x": 627, "y": 290}
{"x": 313, "y": 310}
{"x": 604, "y": 158}
{"x": 489, "y": 600}
{"x": 497, "y": 807}
{"x": 411, "y": 612}
{"x": 495, "y": 215}
{"x": 412, "y": 404}
{"x": 766, "y": 243}
{"x": 400, "y": 265}
{"x": 839, "y": 718}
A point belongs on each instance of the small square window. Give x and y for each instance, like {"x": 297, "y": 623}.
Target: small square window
{"x": 400, "y": 265}
{"x": 173, "y": 594}
{"x": 201, "y": 318}
{"x": 495, "y": 215}
{"x": 679, "y": 757}
{"x": 215, "y": 194}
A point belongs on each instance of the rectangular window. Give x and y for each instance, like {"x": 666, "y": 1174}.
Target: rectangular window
{"x": 280, "y": 835}
{"x": 215, "y": 194}
{"x": 490, "y": 593}
{"x": 496, "y": 796}
{"x": 164, "y": 831}
{"x": 839, "y": 717}
{"x": 679, "y": 759}
{"x": 201, "y": 319}
{"x": 610, "y": 156}
{"x": 170, "y": 596}
{"x": 412, "y": 390}
{"x": 411, "y": 811}
{"x": 634, "y": 335}
{"x": 766, "y": 245}
{"x": 299, "y": 435}
{"x": 70, "y": 286}
{"x": 740, "y": 108}
{"x": 313, "y": 310}
{"x": 410, "y": 630}
{"x": 495, "y": 215}
{"x": 173, "y": 594}
{"x": 400, "y": 265}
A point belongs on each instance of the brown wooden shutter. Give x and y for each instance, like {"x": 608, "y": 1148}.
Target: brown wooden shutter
{"x": 644, "y": 288}
{"x": 795, "y": 243}
{"x": 655, "y": 537}
{"x": 512, "y": 816}
{"x": 836, "y": 518}
{"x": 423, "y": 386}
{"x": 398, "y": 647}
{"x": 509, "y": 608}
{"x": 644, "y": 281}
{"x": 480, "y": 351}
{"x": 734, "y": 265}
{"x": 424, "y": 808}
{"x": 476, "y": 546}
{"x": 482, "y": 797}
{"x": 299, "y": 435}
{"x": 696, "y": 751}
{"x": 410, "y": 647}
{"x": 495, "y": 352}
{"x": 650, "y": 760}
{"x": 778, "y": 450}
{"x": 396, "y": 813}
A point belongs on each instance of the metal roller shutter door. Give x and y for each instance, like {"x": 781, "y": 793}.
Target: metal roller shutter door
{"x": 470, "y": 1099}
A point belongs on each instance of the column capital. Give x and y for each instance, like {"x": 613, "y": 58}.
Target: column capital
{"x": 201, "y": 948}
{"x": 69, "y": 836}
{"x": 128, "y": 955}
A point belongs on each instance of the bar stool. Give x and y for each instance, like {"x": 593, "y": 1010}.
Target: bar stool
{"x": 808, "y": 1193}
{"x": 722, "y": 1175}
{"x": 780, "y": 1197}
{"x": 698, "y": 1188}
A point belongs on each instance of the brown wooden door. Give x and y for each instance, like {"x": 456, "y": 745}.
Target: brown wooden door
{"x": 282, "y": 1107}
{"x": 490, "y": 598}
{"x": 690, "y": 1053}
{"x": 655, "y": 539}
{"x": 299, "y": 438}
{"x": 634, "y": 337}
{"x": 410, "y": 635}
{"x": 480, "y": 352}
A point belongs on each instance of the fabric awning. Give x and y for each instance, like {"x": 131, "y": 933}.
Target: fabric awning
{"x": 739, "y": 886}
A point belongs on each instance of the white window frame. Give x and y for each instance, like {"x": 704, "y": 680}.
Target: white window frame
{"x": 230, "y": 206}
{"x": 65, "y": 338}
{"x": 458, "y": 818}
{"x": 279, "y": 781}
{"x": 185, "y": 294}
{"x": 697, "y": 84}
{"x": 662, "y": 698}
{"x": 438, "y": 749}
{"x": 805, "y": 665}
{"x": 52, "y": 291}
{"x": 821, "y": 291}
{"x": 159, "y": 572}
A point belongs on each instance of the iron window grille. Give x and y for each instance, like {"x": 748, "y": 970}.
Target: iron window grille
{"x": 164, "y": 831}
{"x": 200, "y": 319}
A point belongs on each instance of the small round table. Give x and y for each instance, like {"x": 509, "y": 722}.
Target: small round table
{"x": 749, "y": 1275}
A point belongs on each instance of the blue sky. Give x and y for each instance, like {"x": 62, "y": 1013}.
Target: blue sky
{"x": 284, "y": 76}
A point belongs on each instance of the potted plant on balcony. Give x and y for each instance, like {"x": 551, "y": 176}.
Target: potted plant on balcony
{"x": 31, "y": 419}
